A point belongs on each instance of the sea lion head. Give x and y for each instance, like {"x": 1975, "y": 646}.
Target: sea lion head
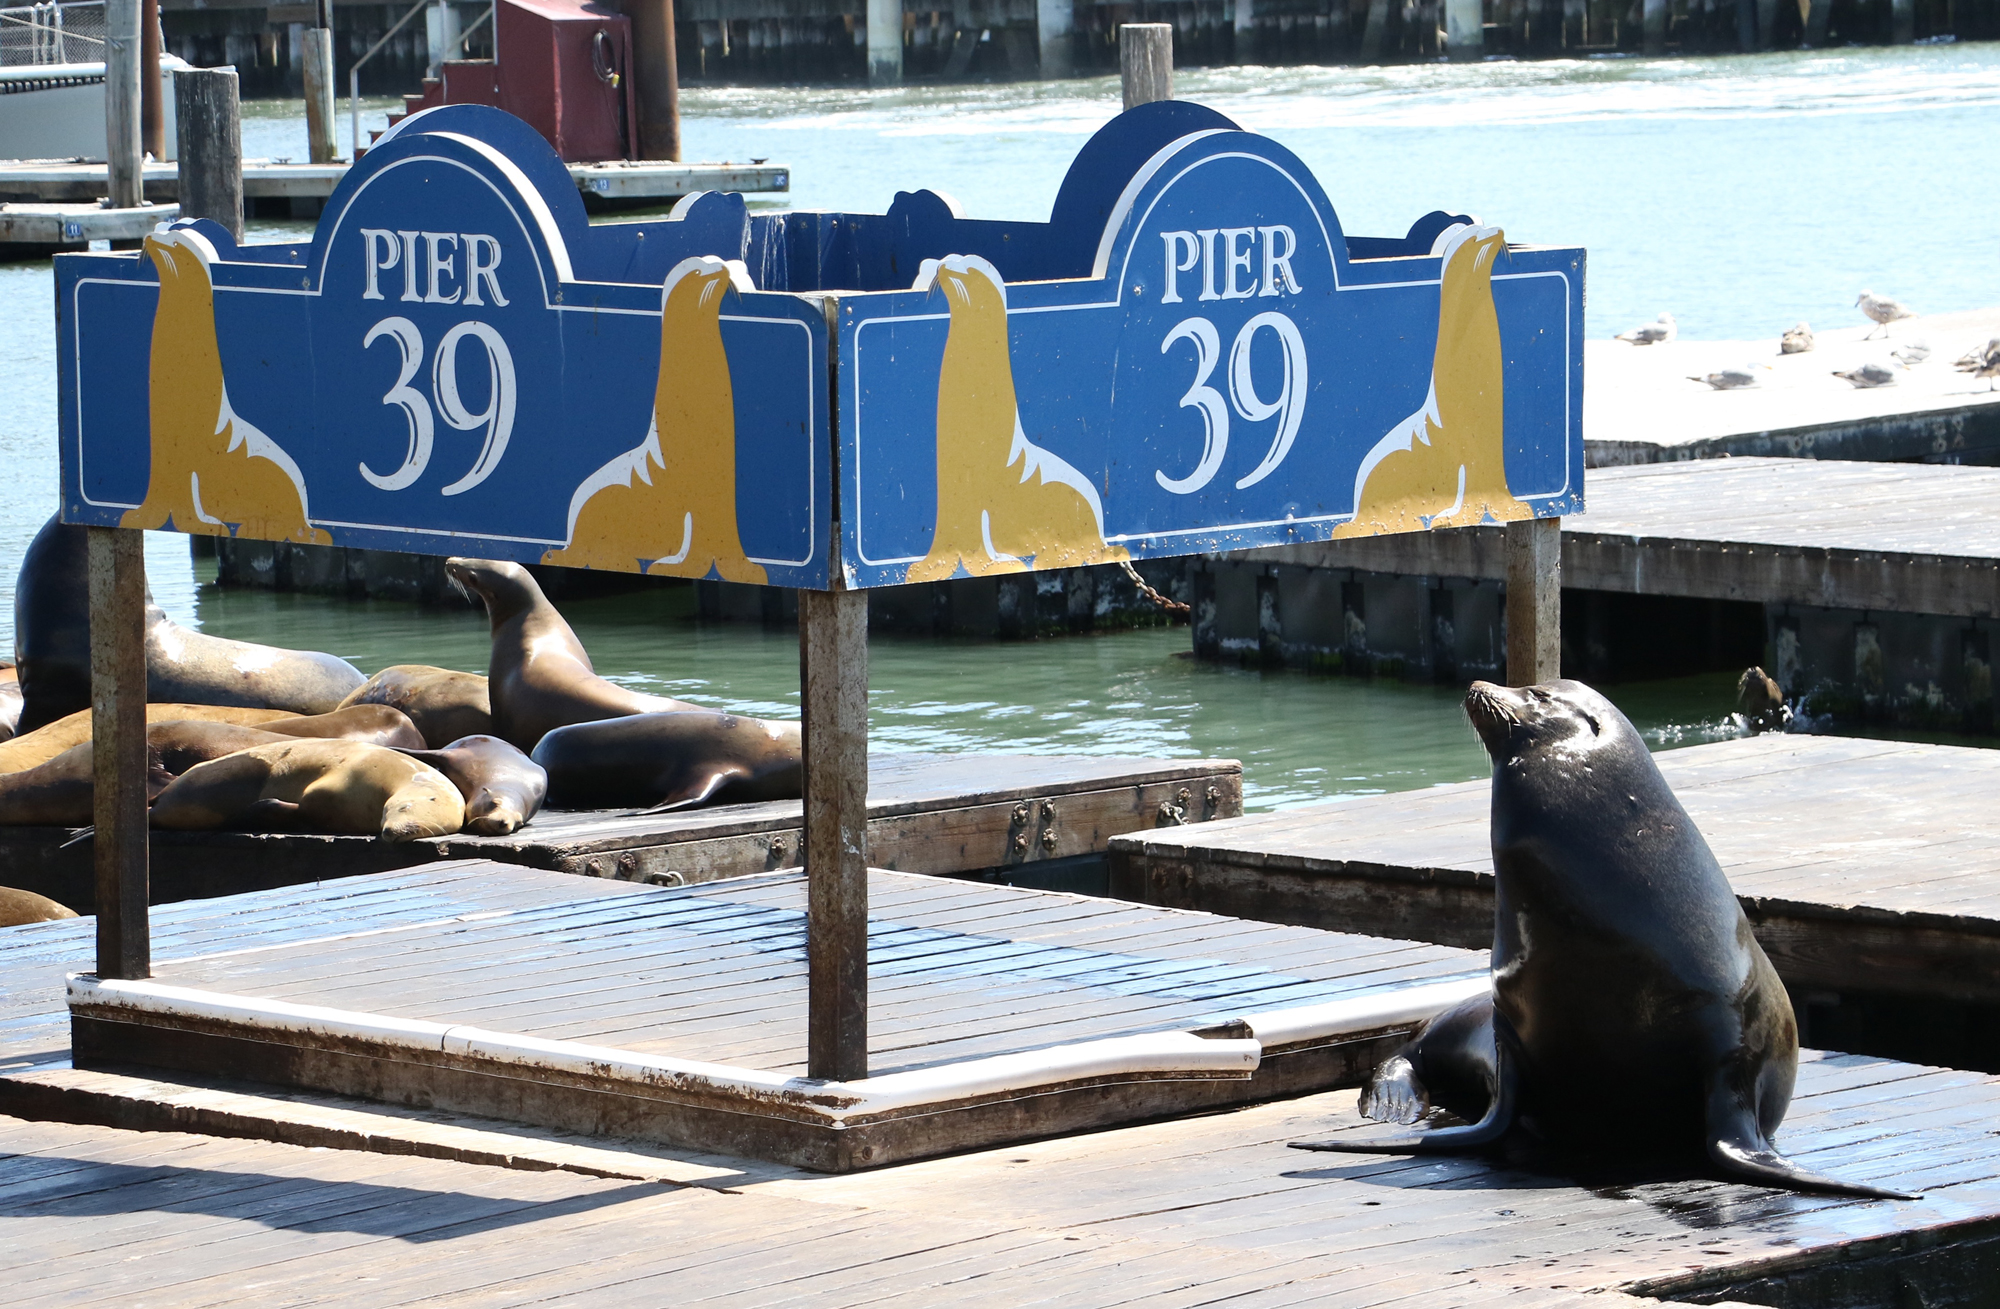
{"x": 1561, "y": 717}
{"x": 506, "y": 589}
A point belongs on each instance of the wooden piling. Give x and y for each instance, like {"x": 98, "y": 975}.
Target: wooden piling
{"x": 659, "y": 78}
{"x": 318, "y": 42}
{"x": 833, "y": 675}
{"x": 1656, "y": 27}
{"x": 1054, "y": 35}
{"x": 1375, "y": 31}
{"x": 152, "y": 120}
{"x": 1534, "y": 601}
{"x": 885, "y": 42}
{"x": 117, "y": 565}
{"x": 1465, "y": 36}
{"x": 209, "y": 142}
{"x": 1902, "y": 22}
{"x": 122, "y": 147}
{"x": 1146, "y": 62}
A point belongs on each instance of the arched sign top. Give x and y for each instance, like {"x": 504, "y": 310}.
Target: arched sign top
{"x": 1190, "y": 355}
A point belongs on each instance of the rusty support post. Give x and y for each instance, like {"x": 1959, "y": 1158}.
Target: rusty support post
{"x": 1146, "y": 62}
{"x": 118, "y": 749}
{"x": 657, "y": 64}
{"x": 152, "y": 117}
{"x": 833, "y": 675}
{"x": 1534, "y": 601}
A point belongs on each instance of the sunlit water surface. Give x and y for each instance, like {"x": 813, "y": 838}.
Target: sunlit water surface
{"x": 1741, "y": 193}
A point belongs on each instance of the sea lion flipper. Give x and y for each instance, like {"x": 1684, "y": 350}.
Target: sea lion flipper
{"x": 699, "y": 790}
{"x": 1494, "y": 1124}
{"x": 1738, "y": 1149}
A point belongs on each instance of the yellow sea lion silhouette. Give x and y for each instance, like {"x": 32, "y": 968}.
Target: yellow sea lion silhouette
{"x": 1445, "y": 465}
{"x": 668, "y": 506}
{"x": 991, "y": 519}
{"x": 211, "y": 469}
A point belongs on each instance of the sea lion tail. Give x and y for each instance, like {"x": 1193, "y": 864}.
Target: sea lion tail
{"x": 699, "y": 792}
{"x": 1763, "y": 1166}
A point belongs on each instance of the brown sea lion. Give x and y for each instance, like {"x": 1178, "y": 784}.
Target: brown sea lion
{"x": 1633, "y": 1016}
{"x": 45, "y": 743}
{"x": 58, "y": 793}
{"x": 371, "y": 724}
{"x": 539, "y": 677}
{"x": 21, "y": 907}
{"x": 182, "y": 743}
{"x": 672, "y": 761}
{"x": 52, "y": 642}
{"x": 1760, "y": 702}
{"x": 10, "y": 699}
{"x": 446, "y": 705}
{"x": 338, "y": 787}
{"x": 503, "y": 788}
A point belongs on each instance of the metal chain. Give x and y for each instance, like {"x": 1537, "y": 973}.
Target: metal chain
{"x": 1174, "y": 607}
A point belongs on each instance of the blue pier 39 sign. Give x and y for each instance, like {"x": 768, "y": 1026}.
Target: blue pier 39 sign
{"x": 1189, "y": 356}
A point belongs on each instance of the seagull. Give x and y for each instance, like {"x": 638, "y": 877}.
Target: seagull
{"x": 1658, "y": 332}
{"x": 1729, "y": 379}
{"x": 1911, "y": 355}
{"x": 1883, "y": 310}
{"x": 1982, "y": 362}
{"x": 1869, "y": 374}
{"x": 1796, "y": 341}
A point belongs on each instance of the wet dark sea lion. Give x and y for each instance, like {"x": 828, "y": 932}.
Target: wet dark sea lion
{"x": 1633, "y": 1015}
{"x": 52, "y": 644}
{"x": 20, "y": 907}
{"x": 672, "y": 761}
{"x": 313, "y": 786}
{"x": 503, "y": 788}
{"x": 1760, "y": 702}
{"x": 539, "y": 677}
{"x": 446, "y": 705}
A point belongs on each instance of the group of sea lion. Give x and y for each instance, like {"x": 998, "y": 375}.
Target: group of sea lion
{"x": 244, "y": 736}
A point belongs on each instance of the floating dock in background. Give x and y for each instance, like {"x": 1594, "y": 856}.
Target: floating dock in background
{"x": 280, "y": 188}
{"x": 35, "y": 230}
{"x": 1868, "y": 869}
{"x": 1015, "y": 816}
{"x": 1181, "y": 1212}
{"x": 1643, "y": 404}
{"x": 1873, "y": 589}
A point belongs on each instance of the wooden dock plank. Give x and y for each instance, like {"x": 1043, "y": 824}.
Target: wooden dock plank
{"x": 1864, "y": 865}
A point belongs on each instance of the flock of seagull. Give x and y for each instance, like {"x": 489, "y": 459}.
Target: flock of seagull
{"x": 1880, "y": 309}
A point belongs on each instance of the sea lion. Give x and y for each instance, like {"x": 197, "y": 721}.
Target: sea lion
{"x": 1760, "y": 702}
{"x": 20, "y": 907}
{"x": 10, "y": 699}
{"x": 314, "y": 786}
{"x": 503, "y": 788}
{"x": 539, "y": 677}
{"x": 59, "y": 793}
{"x": 370, "y": 724}
{"x": 45, "y": 743}
{"x": 1633, "y": 1014}
{"x": 446, "y": 705}
{"x": 182, "y": 743}
{"x": 52, "y": 643}
{"x": 672, "y": 761}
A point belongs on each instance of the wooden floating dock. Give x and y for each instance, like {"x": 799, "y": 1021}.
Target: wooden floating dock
{"x": 1642, "y": 404}
{"x": 40, "y": 226}
{"x": 1184, "y": 1212}
{"x": 268, "y": 180}
{"x": 928, "y": 813}
{"x": 678, "y": 1015}
{"x": 1864, "y": 865}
